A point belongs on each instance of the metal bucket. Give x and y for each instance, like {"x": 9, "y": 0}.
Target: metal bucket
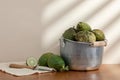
{"x": 81, "y": 55}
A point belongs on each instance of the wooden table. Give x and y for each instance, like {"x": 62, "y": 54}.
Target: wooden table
{"x": 106, "y": 72}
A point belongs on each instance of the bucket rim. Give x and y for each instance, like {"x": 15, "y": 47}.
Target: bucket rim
{"x": 87, "y": 43}
{"x": 75, "y": 41}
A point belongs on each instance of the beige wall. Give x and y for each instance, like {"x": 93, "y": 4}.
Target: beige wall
{"x": 32, "y": 27}
{"x": 20, "y": 29}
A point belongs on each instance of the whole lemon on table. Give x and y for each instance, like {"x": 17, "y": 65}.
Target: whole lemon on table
{"x": 57, "y": 62}
{"x": 44, "y": 59}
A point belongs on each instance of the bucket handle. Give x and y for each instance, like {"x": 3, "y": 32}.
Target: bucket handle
{"x": 62, "y": 42}
{"x": 99, "y": 43}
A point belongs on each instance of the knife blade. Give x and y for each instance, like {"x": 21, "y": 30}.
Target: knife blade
{"x": 43, "y": 68}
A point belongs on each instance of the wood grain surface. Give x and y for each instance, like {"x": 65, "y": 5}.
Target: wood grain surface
{"x": 106, "y": 72}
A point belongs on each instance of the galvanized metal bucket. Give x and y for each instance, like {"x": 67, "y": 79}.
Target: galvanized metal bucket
{"x": 81, "y": 55}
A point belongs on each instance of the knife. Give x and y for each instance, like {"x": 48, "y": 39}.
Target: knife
{"x": 43, "y": 68}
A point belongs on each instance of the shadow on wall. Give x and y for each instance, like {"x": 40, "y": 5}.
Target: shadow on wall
{"x": 113, "y": 47}
{"x": 46, "y": 26}
{"x": 64, "y": 11}
{"x": 98, "y": 9}
{"x": 55, "y": 42}
{"x": 107, "y": 25}
{"x": 111, "y": 51}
